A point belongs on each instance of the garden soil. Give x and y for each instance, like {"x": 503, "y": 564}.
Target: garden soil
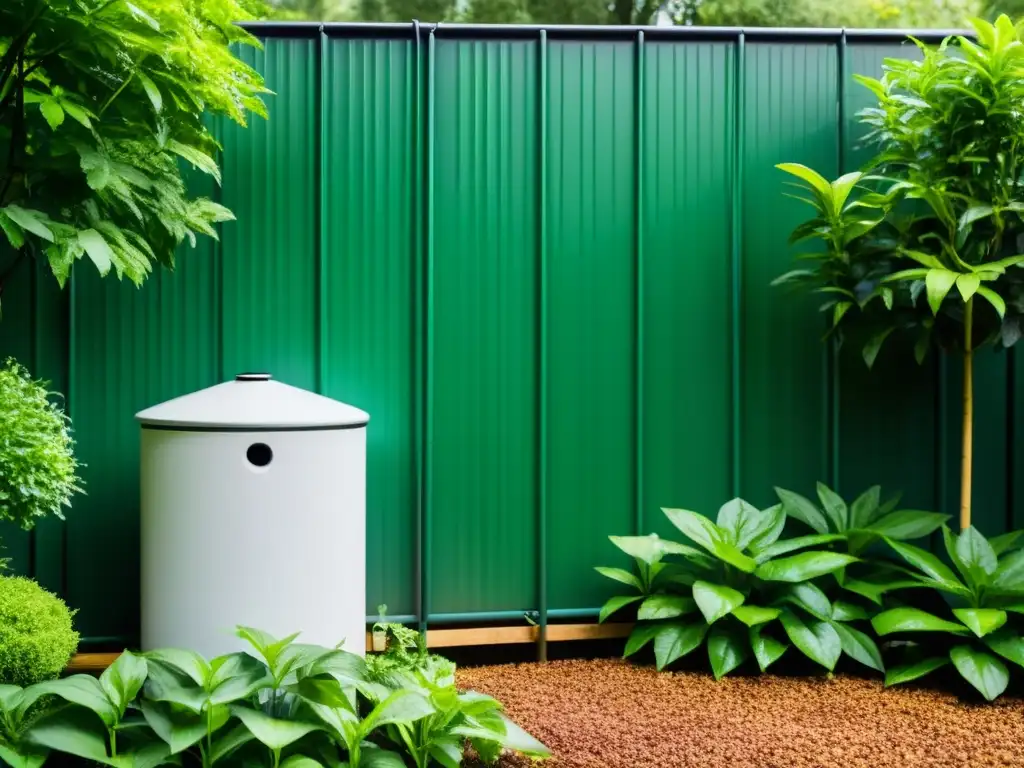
{"x": 612, "y": 714}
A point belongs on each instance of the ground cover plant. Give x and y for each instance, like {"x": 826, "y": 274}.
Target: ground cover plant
{"x": 924, "y": 241}
{"x": 284, "y": 704}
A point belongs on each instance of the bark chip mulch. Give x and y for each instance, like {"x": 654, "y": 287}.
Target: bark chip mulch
{"x": 611, "y": 714}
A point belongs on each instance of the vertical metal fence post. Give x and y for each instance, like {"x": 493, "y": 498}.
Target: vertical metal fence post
{"x": 739, "y": 81}
{"x": 428, "y": 356}
{"x": 418, "y": 430}
{"x": 542, "y": 338}
{"x": 321, "y": 214}
{"x": 833, "y": 377}
{"x": 638, "y": 217}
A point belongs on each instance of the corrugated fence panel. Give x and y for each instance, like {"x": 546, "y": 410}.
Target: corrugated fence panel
{"x": 790, "y": 100}
{"x": 484, "y": 346}
{"x": 544, "y": 270}
{"x": 688, "y": 147}
{"x": 591, "y": 309}
{"x": 367, "y": 290}
{"x": 269, "y": 261}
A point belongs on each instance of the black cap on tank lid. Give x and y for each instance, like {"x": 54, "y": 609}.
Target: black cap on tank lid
{"x": 252, "y": 377}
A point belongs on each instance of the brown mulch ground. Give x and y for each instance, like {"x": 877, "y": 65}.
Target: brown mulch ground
{"x": 611, "y": 714}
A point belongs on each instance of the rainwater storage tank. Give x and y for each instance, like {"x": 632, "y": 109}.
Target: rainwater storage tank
{"x": 254, "y": 514}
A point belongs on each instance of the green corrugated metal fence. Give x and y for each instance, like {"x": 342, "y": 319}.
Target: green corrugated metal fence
{"x": 541, "y": 260}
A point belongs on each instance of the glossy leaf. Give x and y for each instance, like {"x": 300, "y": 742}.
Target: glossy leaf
{"x": 641, "y": 635}
{"x": 834, "y": 506}
{"x": 1006, "y": 542}
{"x": 85, "y": 691}
{"x": 727, "y": 649}
{"x": 908, "y": 619}
{"x": 616, "y": 603}
{"x": 123, "y": 679}
{"x": 875, "y": 590}
{"x": 767, "y": 650}
{"x": 1009, "y": 573}
{"x": 792, "y": 545}
{"x": 1008, "y": 644}
{"x": 665, "y": 607}
{"x": 908, "y": 524}
{"x": 707, "y": 535}
{"x": 817, "y": 640}
{"x": 809, "y": 597}
{"x": 272, "y": 732}
{"x": 976, "y": 556}
{"x": 981, "y": 621}
{"x": 716, "y": 600}
{"x": 773, "y": 524}
{"x": 673, "y": 641}
{"x": 621, "y": 576}
{"x": 904, "y": 673}
{"x": 866, "y": 506}
{"x": 934, "y": 569}
{"x": 859, "y": 646}
{"x": 807, "y": 565}
{"x": 743, "y": 521}
{"x": 752, "y": 615}
{"x": 982, "y": 670}
{"x": 800, "y": 508}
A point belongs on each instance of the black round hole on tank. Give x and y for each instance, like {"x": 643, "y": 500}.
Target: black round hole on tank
{"x": 259, "y": 454}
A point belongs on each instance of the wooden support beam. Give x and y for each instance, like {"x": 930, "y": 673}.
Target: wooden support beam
{"x": 439, "y": 638}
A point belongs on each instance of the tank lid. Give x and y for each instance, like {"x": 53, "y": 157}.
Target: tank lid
{"x": 253, "y": 401}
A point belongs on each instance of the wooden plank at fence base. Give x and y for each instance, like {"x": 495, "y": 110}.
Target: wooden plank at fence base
{"x": 439, "y": 638}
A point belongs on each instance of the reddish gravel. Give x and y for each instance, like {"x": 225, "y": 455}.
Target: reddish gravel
{"x": 611, "y": 714}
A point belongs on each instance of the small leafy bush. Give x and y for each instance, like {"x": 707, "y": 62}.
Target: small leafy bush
{"x": 743, "y": 589}
{"x": 284, "y": 705}
{"x": 975, "y": 629}
{"x": 38, "y": 470}
{"x": 36, "y": 635}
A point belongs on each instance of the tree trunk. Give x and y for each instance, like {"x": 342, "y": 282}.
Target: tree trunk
{"x": 967, "y": 453}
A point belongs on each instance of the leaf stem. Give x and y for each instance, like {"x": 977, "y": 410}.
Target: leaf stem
{"x": 967, "y": 452}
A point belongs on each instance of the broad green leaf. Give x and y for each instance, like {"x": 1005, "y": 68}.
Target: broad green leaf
{"x": 1008, "y": 644}
{"x": 447, "y": 752}
{"x": 621, "y": 576}
{"x": 179, "y": 731}
{"x": 716, "y": 600}
{"x": 817, "y": 640}
{"x": 906, "y": 274}
{"x": 521, "y": 741}
{"x": 800, "y": 542}
{"x": 925, "y": 259}
{"x": 816, "y": 181}
{"x": 25, "y": 758}
{"x": 874, "y": 590}
{"x": 968, "y": 285}
{"x": 993, "y": 298}
{"x": 864, "y": 507}
{"x": 169, "y": 684}
{"x": 641, "y": 635}
{"x": 196, "y": 157}
{"x": 808, "y": 597}
{"x": 270, "y": 731}
{"x": 673, "y": 641}
{"x": 798, "y": 507}
{"x": 937, "y": 572}
{"x": 908, "y": 524}
{"x": 707, "y": 535}
{"x": 841, "y": 189}
{"x": 766, "y": 648}
{"x": 15, "y": 234}
{"x": 982, "y": 670}
{"x": 741, "y": 520}
{"x": 904, "y": 673}
{"x": 235, "y": 677}
{"x": 1006, "y": 542}
{"x": 225, "y": 745}
{"x": 874, "y": 345}
{"x": 908, "y": 619}
{"x": 975, "y": 213}
{"x": 374, "y": 757}
{"x": 841, "y": 308}
{"x": 937, "y": 283}
{"x": 151, "y": 90}
{"x": 30, "y": 220}
{"x": 806, "y": 565}
{"x": 843, "y": 611}
{"x": 981, "y": 621}
{"x": 835, "y": 508}
{"x": 752, "y": 615}
{"x": 616, "y": 603}
{"x": 727, "y": 649}
{"x": 78, "y": 733}
{"x": 772, "y": 525}
{"x": 189, "y": 662}
{"x": 1009, "y": 575}
{"x": 859, "y": 646}
{"x": 96, "y": 247}
{"x": 976, "y": 556}
{"x": 647, "y": 549}
{"x": 85, "y": 691}
{"x": 52, "y": 112}
{"x": 123, "y": 679}
{"x": 402, "y": 706}
{"x": 665, "y": 607}
{"x": 301, "y": 761}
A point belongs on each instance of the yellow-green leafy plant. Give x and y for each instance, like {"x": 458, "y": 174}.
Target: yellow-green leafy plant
{"x": 36, "y": 635}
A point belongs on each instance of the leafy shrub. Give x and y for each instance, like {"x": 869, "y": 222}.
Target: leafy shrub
{"x": 979, "y": 603}
{"x": 743, "y": 589}
{"x": 285, "y": 705}
{"x": 36, "y": 635}
{"x": 38, "y": 470}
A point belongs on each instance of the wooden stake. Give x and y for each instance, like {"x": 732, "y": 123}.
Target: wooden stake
{"x": 967, "y": 454}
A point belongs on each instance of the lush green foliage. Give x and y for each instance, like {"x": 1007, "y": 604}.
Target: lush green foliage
{"x": 975, "y": 627}
{"x": 286, "y": 705}
{"x": 936, "y": 219}
{"x": 36, "y": 635}
{"x": 744, "y": 589}
{"x": 99, "y": 100}
{"x": 38, "y": 470}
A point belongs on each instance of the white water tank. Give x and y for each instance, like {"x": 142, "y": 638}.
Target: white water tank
{"x": 253, "y": 514}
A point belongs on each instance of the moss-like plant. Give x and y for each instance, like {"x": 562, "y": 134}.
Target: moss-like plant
{"x": 36, "y": 635}
{"x": 38, "y": 469}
